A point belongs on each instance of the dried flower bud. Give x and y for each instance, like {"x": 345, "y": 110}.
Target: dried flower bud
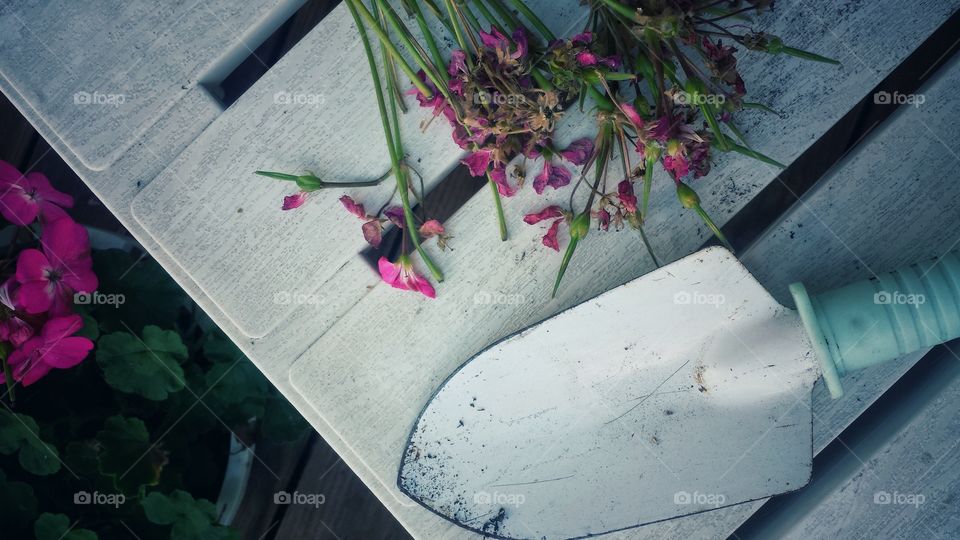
{"x": 580, "y": 226}
{"x": 688, "y": 197}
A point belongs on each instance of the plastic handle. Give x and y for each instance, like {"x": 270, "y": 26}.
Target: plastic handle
{"x": 882, "y": 318}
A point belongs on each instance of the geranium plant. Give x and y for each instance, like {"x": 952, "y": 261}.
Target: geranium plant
{"x": 119, "y": 395}
{"x": 661, "y": 77}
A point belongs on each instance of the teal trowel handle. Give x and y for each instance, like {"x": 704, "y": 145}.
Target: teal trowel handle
{"x": 882, "y": 318}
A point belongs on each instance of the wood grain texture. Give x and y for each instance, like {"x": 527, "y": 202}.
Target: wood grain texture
{"x": 371, "y": 393}
{"x": 66, "y": 59}
{"x": 192, "y": 208}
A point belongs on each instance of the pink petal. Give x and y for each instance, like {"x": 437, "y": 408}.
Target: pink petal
{"x": 395, "y": 215}
{"x": 632, "y": 115}
{"x": 40, "y": 183}
{"x": 17, "y": 207}
{"x": 294, "y": 201}
{"x": 58, "y": 328}
{"x": 547, "y": 213}
{"x": 550, "y": 239}
{"x": 67, "y": 352}
{"x": 578, "y": 151}
{"x": 555, "y": 176}
{"x": 420, "y": 284}
{"x": 353, "y": 207}
{"x": 626, "y": 195}
{"x": 32, "y": 265}
{"x": 478, "y": 162}
{"x": 431, "y": 228}
{"x": 80, "y": 279}
{"x": 35, "y": 296}
{"x": 373, "y": 232}
{"x": 389, "y": 272}
{"x": 65, "y": 241}
{"x": 499, "y": 176}
{"x": 8, "y": 174}
{"x": 586, "y": 58}
{"x": 458, "y": 63}
{"x": 15, "y": 330}
{"x": 677, "y": 165}
{"x": 584, "y": 38}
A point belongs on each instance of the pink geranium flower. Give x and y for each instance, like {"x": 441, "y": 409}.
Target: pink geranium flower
{"x": 627, "y": 197}
{"x": 555, "y": 176}
{"x": 400, "y": 275}
{"x": 48, "y": 278}
{"x": 550, "y": 212}
{"x": 55, "y": 347}
{"x": 23, "y": 198}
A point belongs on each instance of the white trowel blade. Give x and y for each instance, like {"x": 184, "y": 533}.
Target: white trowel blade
{"x": 683, "y": 391}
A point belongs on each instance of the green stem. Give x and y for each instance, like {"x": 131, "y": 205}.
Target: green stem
{"x": 567, "y": 256}
{"x": 643, "y": 236}
{"x": 647, "y": 184}
{"x": 501, "y": 220}
{"x": 621, "y": 9}
{"x": 485, "y": 13}
{"x": 712, "y": 226}
{"x": 505, "y": 14}
{"x": 357, "y": 7}
{"x": 755, "y": 155}
{"x": 800, "y": 53}
{"x": 427, "y": 34}
{"x": 534, "y": 20}
{"x": 458, "y": 32}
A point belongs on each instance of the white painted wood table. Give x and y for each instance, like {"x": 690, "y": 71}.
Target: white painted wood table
{"x": 129, "y": 109}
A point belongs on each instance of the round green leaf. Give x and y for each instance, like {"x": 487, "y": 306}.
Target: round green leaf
{"x": 149, "y": 367}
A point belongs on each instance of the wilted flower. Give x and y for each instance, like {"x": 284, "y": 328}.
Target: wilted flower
{"x": 401, "y": 275}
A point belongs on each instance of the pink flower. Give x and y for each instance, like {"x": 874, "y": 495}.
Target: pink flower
{"x": 431, "y": 228}
{"x": 632, "y": 115}
{"x": 603, "y": 219}
{"x": 49, "y": 278}
{"x": 587, "y": 58}
{"x": 55, "y": 347}
{"x": 499, "y": 177}
{"x": 627, "y": 198}
{"x": 549, "y": 212}
{"x": 550, "y": 239}
{"x": 677, "y": 165}
{"x": 294, "y": 201}
{"x": 495, "y": 39}
{"x": 395, "y": 215}
{"x": 400, "y": 275}
{"x": 555, "y": 176}
{"x": 578, "y": 151}
{"x": 478, "y": 162}
{"x": 520, "y": 38}
{"x": 353, "y": 207}
{"x": 583, "y": 38}
{"x": 13, "y": 329}
{"x": 373, "y": 232}
{"x": 23, "y": 198}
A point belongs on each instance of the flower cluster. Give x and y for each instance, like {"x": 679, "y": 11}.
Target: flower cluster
{"x": 37, "y": 322}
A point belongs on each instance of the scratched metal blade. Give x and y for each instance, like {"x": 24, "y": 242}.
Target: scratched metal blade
{"x": 683, "y": 391}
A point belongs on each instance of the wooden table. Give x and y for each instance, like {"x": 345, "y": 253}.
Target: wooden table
{"x": 136, "y": 114}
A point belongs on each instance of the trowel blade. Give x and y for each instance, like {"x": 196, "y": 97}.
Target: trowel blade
{"x": 683, "y": 391}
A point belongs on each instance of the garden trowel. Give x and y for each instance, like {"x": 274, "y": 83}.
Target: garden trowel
{"x": 683, "y": 391}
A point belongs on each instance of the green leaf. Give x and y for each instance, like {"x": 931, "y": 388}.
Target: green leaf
{"x": 126, "y": 454}
{"x": 57, "y": 527}
{"x": 150, "y": 295}
{"x": 18, "y": 508}
{"x": 149, "y": 367}
{"x": 192, "y": 519}
{"x": 19, "y": 433}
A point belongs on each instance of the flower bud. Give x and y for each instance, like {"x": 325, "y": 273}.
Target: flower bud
{"x": 688, "y": 197}
{"x": 309, "y": 183}
{"x": 651, "y": 152}
{"x": 580, "y": 226}
{"x": 774, "y": 45}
